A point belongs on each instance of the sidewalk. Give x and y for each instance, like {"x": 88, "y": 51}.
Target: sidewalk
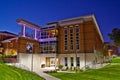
{"x": 38, "y": 71}
{"x": 45, "y": 76}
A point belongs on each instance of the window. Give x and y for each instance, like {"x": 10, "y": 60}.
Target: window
{"x": 43, "y": 35}
{"x": 71, "y": 38}
{"x": 77, "y": 37}
{"x": 72, "y": 64}
{"x": 71, "y": 47}
{"x": 65, "y": 39}
{"x": 48, "y": 47}
{"x": 66, "y": 61}
{"x": 65, "y": 47}
{"x": 77, "y": 46}
{"x": 78, "y": 61}
{"x": 65, "y": 35}
{"x": 71, "y": 30}
{"x": 29, "y": 32}
{"x": 38, "y": 34}
{"x": 65, "y": 30}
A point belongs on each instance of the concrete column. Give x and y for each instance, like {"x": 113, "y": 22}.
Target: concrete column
{"x": 35, "y": 34}
{"x": 23, "y": 30}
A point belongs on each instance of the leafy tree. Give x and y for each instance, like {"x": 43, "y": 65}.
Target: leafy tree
{"x": 115, "y": 36}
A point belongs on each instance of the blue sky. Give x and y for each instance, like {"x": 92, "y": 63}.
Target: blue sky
{"x": 40, "y": 12}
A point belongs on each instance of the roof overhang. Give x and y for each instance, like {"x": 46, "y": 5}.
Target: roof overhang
{"x": 81, "y": 19}
{"x": 27, "y": 23}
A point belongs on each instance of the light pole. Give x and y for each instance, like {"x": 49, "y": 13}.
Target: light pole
{"x": 76, "y": 60}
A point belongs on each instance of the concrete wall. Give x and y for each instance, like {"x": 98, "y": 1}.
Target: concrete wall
{"x": 25, "y": 59}
{"x": 89, "y": 59}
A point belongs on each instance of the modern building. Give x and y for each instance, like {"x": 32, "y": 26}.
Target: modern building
{"x": 70, "y": 42}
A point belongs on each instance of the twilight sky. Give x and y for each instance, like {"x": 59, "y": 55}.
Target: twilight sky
{"x": 40, "y": 12}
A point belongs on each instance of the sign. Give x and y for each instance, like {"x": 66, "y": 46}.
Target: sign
{"x": 29, "y": 47}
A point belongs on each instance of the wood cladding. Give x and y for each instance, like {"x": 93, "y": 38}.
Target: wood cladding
{"x": 23, "y": 43}
{"x": 19, "y": 45}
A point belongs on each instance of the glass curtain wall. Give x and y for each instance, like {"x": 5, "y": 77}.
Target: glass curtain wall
{"x": 49, "y": 44}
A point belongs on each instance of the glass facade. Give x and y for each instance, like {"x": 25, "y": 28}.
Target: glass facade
{"x": 49, "y": 33}
{"x": 38, "y": 34}
{"x": 29, "y": 32}
{"x": 48, "y": 47}
{"x": 48, "y": 39}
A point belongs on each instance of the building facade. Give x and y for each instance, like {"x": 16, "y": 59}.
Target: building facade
{"x": 70, "y": 42}
{"x": 4, "y": 35}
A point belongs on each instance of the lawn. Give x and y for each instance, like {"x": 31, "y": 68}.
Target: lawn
{"x": 13, "y": 73}
{"x": 116, "y": 60}
{"x": 110, "y": 72}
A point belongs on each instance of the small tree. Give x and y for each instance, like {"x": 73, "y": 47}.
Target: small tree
{"x": 115, "y": 36}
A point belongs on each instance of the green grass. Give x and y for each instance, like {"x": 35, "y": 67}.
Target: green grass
{"x": 13, "y": 73}
{"x": 116, "y": 60}
{"x": 110, "y": 72}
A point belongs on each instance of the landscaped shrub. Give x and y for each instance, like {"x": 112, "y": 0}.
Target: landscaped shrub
{"x": 60, "y": 67}
{"x": 1, "y": 60}
{"x": 87, "y": 67}
{"x": 67, "y": 68}
{"x": 51, "y": 71}
{"x": 1, "y": 55}
{"x": 8, "y": 58}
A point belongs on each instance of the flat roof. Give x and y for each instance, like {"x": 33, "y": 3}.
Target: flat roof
{"x": 22, "y": 21}
{"x": 7, "y": 33}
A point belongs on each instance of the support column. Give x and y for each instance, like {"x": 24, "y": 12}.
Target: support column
{"x": 23, "y": 30}
{"x": 35, "y": 34}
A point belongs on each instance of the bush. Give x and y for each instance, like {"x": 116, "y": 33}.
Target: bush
{"x": 1, "y": 55}
{"x": 60, "y": 67}
{"x": 52, "y": 71}
{"x": 1, "y": 60}
{"x": 67, "y": 68}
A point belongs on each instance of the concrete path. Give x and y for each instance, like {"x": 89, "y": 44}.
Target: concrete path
{"x": 44, "y": 75}
{"x": 38, "y": 71}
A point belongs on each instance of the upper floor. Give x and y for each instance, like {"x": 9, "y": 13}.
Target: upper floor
{"x": 80, "y": 34}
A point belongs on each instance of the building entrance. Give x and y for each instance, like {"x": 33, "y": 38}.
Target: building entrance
{"x": 50, "y": 61}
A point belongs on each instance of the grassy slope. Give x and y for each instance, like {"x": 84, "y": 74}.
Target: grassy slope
{"x": 110, "y": 72}
{"x": 13, "y": 73}
{"x": 116, "y": 60}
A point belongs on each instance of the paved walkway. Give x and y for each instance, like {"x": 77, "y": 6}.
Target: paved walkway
{"x": 38, "y": 71}
{"x": 44, "y": 75}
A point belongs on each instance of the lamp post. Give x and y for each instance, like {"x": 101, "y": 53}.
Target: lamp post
{"x": 76, "y": 60}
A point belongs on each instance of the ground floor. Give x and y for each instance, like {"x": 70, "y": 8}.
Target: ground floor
{"x": 38, "y": 61}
